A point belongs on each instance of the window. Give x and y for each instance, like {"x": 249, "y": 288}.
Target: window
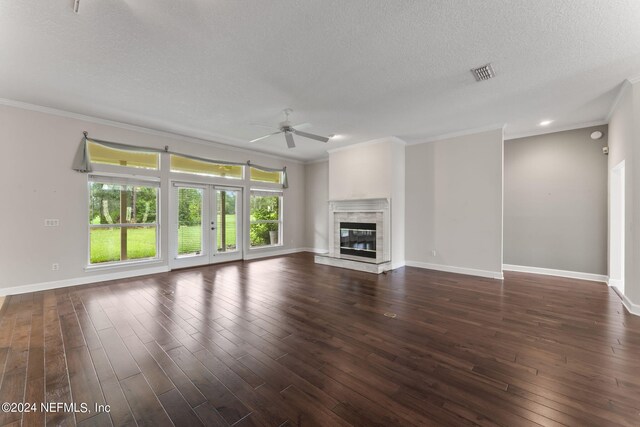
{"x": 266, "y": 218}
{"x": 102, "y": 154}
{"x": 123, "y": 222}
{"x": 259, "y": 175}
{"x": 199, "y": 167}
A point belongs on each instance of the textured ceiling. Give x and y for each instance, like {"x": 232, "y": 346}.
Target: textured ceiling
{"x": 364, "y": 69}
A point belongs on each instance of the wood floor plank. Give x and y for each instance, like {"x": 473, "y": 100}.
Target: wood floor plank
{"x": 120, "y": 412}
{"x": 123, "y": 363}
{"x": 178, "y": 409}
{"x": 187, "y": 388}
{"x": 284, "y": 341}
{"x": 154, "y": 374}
{"x": 144, "y": 404}
{"x": 227, "y": 404}
{"x": 85, "y": 387}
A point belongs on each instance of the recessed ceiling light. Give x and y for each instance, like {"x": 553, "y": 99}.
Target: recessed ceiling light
{"x": 334, "y": 136}
{"x": 546, "y": 122}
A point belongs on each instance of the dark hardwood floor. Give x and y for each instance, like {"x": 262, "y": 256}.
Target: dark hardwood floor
{"x": 283, "y": 341}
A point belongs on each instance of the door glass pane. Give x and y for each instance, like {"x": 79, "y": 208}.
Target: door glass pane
{"x": 190, "y": 221}
{"x": 226, "y": 202}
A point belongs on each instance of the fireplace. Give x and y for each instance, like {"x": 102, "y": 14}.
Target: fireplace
{"x": 359, "y": 235}
{"x": 358, "y": 239}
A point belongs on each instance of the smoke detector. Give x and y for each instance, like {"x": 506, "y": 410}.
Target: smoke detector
{"x": 483, "y": 73}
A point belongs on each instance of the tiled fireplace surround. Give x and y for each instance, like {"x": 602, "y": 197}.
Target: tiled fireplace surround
{"x": 360, "y": 210}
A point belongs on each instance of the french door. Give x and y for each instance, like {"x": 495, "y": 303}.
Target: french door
{"x": 207, "y": 224}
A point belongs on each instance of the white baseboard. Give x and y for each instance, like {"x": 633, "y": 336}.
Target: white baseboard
{"x": 269, "y": 252}
{"x": 315, "y": 250}
{"x": 84, "y": 280}
{"x": 454, "y": 269}
{"x": 559, "y": 273}
{"x": 398, "y": 264}
{"x": 614, "y": 282}
{"x": 628, "y": 304}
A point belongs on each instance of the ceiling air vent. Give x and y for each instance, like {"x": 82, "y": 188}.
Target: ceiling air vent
{"x": 483, "y": 73}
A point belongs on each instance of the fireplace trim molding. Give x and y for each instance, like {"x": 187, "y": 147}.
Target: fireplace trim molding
{"x": 355, "y": 210}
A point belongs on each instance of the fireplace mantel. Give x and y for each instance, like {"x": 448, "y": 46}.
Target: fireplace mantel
{"x": 375, "y": 211}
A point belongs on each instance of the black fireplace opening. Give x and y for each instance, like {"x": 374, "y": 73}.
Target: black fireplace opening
{"x": 358, "y": 239}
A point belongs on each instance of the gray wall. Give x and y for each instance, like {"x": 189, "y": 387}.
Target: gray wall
{"x": 624, "y": 130}
{"x": 555, "y": 201}
{"x": 454, "y": 204}
{"x": 317, "y": 206}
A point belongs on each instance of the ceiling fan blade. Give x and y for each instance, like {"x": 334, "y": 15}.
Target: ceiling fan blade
{"x": 266, "y": 136}
{"x": 289, "y": 139}
{"x": 312, "y": 136}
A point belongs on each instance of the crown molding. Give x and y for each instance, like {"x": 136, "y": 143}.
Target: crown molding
{"x": 318, "y": 160}
{"x": 460, "y": 133}
{"x": 621, "y": 91}
{"x": 392, "y": 139}
{"x": 634, "y": 80}
{"x": 149, "y": 131}
{"x": 509, "y": 137}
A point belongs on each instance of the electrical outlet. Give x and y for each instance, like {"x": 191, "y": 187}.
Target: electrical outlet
{"x": 55, "y": 266}
{"x": 51, "y": 222}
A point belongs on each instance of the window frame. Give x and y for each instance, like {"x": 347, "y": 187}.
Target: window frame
{"x": 129, "y": 181}
{"x": 280, "y": 221}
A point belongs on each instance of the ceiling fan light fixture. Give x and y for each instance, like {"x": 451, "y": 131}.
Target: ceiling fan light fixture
{"x": 288, "y": 130}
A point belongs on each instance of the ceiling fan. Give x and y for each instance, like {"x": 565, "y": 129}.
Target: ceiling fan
{"x": 288, "y": 129}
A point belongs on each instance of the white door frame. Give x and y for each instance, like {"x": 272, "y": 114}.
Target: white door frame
{"x": 617, "y": 226}
{"x": 209, "y": 254}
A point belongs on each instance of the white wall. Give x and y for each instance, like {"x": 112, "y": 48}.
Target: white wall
{"x": 317, "y": 206}
{"x": 454, "y": 204}
{"x": 361, "y": 171}
{"x": 373, "y": 169}
{"x": 398, "y": 200}
{"x": 624, "y": 134}
{"x": 35, "y": 169}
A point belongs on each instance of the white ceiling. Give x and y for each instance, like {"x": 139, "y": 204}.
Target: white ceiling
{"x": 364, "y": 69}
